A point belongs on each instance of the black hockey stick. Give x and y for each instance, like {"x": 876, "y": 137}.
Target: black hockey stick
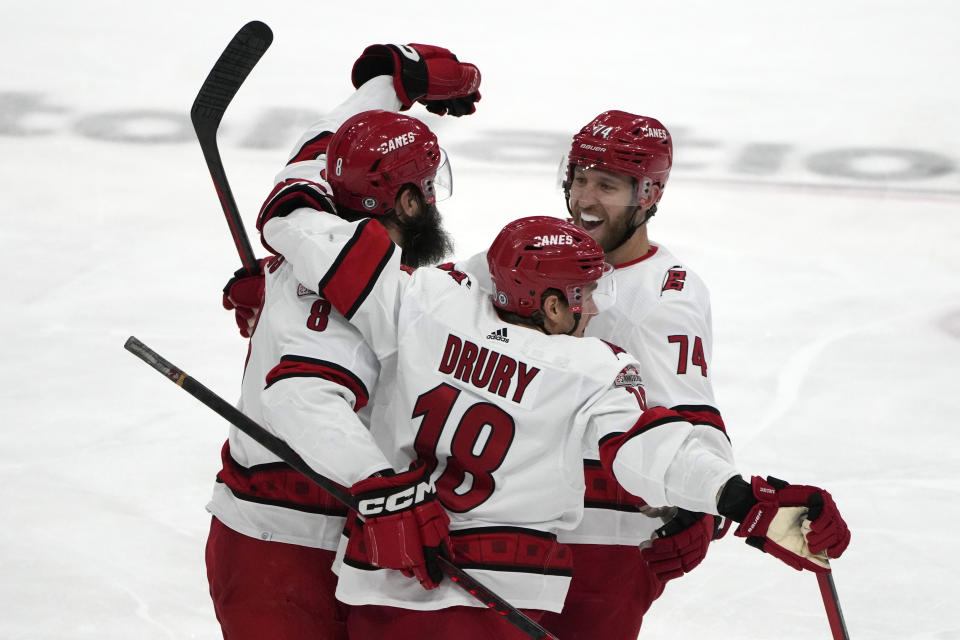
{"x": 282, "y": 450}
{"x": 831, "y": 602}
{"x": 231, "y": 69}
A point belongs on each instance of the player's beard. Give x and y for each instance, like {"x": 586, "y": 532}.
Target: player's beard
{"x": 425, "y": 241}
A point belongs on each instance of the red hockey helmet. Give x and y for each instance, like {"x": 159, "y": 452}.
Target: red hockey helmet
{"x": 531, "y": 255}
{"x": 374, "y": 153}
{"x": 624, "y": 143}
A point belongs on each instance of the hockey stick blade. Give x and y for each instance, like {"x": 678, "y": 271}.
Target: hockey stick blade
{"x": 282, "y": 450}
{"x": 224, "y": 80}
{"x": 831, "y": 602}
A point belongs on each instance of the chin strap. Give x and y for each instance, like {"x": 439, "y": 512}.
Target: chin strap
{"x": 633, "y": 229}
{"x": 576, "y": 323}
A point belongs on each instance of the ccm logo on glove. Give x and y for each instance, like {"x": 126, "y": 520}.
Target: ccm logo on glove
{"x": 397, "y": 501}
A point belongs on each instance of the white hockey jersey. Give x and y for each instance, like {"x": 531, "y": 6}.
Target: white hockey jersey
{"x": 662, "y": 317}
{"x": 307, "y": 372}
{"x": 308, "y": 378}
{"x": 500, "y": 412}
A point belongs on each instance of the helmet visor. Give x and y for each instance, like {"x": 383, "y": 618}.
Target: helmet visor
{"x": 595, "y": 297}
{"x": 439, "y": 186}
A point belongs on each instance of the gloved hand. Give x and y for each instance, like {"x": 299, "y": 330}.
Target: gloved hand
{"x": 680, "y": 545}
{"x": 243, "y": 294}
{"x": 404, "y": 526}
{"x": 798, "y": 524}
{"x": 422, "y": 73}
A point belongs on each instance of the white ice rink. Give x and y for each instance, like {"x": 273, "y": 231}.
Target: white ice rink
{"x": 816, "y": 189}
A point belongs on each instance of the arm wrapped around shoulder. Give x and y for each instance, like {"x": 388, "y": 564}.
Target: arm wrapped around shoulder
{"x": 798, "y": 524}
{"x": 422, "y": 73}
{"x": 404, "y": 526}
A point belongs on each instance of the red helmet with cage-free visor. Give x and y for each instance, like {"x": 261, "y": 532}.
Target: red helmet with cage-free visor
{"x": 624, "y": 143}
{"x": 374, "y": 153}
{"x": 534, "y": 254}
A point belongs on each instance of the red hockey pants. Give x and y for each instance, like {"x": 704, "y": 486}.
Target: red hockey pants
{"x": 610, "y": 592}
{"x": 453, "y": 623}
{"x": 271, "y": 590}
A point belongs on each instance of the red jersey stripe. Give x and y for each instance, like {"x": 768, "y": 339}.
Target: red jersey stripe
{"x": 354, "y": 272}
{"x": 301, "y": 366}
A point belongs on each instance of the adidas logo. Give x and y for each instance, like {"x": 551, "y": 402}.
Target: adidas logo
{"x": 499, "y": 334}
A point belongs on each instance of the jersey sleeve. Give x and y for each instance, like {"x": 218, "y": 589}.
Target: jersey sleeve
{"x": 354, "y": 265}
{"x": 375, "y": 93}
{"x": 665, "y": 459}
{"x": 297, "y": 399}
{"x": 308, "y": 377}
{"x": 302, "y": 182}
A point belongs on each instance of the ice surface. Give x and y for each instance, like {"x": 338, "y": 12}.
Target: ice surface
{"x": 816, "y": 189}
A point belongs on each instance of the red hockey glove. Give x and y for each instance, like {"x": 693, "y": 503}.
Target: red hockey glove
{"x": 422, "y": 73}
{"x": 798, "y": 524}
{"x": 681, "y": 544}
{"x": 243, "y": 294}
{"x": 404, "y": 525}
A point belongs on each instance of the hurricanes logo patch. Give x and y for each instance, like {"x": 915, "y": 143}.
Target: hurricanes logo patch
{"x": 303, "y": 291}
{"x": 675, "y": 279}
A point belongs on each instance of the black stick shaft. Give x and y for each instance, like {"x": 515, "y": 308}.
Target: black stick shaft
{"x": 224, "y": 80}
{"x": 270, "y": 442}
{"x": 282, "y": 450}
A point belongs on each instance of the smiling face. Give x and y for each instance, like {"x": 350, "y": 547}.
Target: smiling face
{"x": 603, "y": 204}
{"x": 612, "y": 208}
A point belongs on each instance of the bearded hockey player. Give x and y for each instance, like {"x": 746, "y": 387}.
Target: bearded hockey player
{"x": 310, "y": 378}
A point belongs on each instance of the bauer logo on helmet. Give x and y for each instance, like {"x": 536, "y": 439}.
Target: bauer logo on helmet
{"x": 590, "y": 147}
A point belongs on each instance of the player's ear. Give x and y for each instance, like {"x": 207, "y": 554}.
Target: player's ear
{"x": 553, "y": 306}
{"x": 648, "y": 195}
{"x": 408, "y": 204}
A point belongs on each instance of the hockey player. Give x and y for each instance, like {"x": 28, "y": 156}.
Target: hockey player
{"x": 617, "y": 169}
{"x": 499, "y": 399}
{"x": 309, "y": 375}
{"x": 625, "y": 551}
